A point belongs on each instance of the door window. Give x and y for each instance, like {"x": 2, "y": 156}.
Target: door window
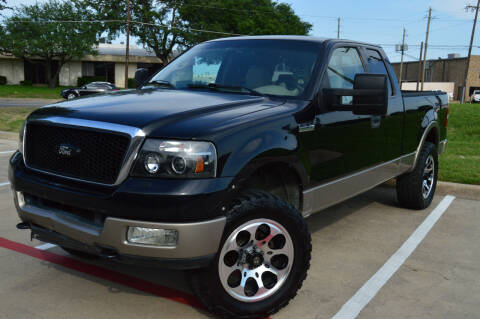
{"x": 376, "y": 65}
{"x": 344, "y": 64}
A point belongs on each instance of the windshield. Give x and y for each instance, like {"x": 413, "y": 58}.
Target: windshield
{"x": 270, "y": 67}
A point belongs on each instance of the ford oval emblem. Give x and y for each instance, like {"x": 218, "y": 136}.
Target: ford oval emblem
{"x": 66, "y": 150}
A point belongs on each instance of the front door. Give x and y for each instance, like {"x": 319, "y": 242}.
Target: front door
{"x": 345, "y": 142}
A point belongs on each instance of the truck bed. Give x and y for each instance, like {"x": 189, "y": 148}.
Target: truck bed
{"x": 421, "y": 93}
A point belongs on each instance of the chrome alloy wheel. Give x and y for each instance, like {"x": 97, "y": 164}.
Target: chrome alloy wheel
{"x": 71, "y": 96}
{"x": 255, "y": 260}
{"x": 428, "y": 176}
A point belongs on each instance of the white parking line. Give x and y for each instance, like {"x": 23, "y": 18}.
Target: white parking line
{"x": 46, "y": 246}
{"x": 364, "y": 295}
{"x": 4, "y": 184}
{"x": 7, "y": 152}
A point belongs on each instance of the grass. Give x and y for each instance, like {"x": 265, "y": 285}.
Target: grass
{"x": 460, "y": 163}
{"x": 26, "y": 91}
{"x": 11, "y": 118}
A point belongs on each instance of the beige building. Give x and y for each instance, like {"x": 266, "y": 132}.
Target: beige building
{"x": 108, "y": 65}
{"x": 451, "y": 69}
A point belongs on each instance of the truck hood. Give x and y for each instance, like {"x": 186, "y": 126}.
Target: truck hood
{"x": 162, "y": 112}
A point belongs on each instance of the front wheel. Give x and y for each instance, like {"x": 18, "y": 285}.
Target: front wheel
{"x": 262, "y": 262}
{"x": 71, "y": 96}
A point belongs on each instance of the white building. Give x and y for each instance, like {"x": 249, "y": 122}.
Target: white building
{"x": 107, "y": 65}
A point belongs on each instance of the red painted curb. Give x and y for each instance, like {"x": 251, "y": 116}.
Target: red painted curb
{"x": 103, "y": 273}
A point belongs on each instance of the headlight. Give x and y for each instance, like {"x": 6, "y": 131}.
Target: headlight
{"x": 176, "y": 159}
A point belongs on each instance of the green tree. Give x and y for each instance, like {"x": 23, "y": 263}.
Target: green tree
{"x": 161, "y": 29}
{"x": 245, "y": 17}
{"x": 3, "y": 4}
{"x": 30, "y": 34}
{"x": 166, "y": 25}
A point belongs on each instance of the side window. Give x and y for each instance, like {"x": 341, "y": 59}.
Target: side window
{"x": 344, "y": 64}
{"x": 377, "y": 65}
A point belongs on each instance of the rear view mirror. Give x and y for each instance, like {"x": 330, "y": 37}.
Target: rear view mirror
{"x": 141, "y": 76}
{"x": 369, "y": 96}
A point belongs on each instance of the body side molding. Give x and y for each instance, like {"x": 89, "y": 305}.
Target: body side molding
{"x": 334, "y": 192}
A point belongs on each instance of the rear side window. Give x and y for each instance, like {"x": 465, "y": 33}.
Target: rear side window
{"x": 344, "y": 64}
{"x": 376, "y": 64}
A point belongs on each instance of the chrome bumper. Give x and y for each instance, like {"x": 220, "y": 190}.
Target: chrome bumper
{"x": 442, "y": 146}
{"x": 194, "y": 239}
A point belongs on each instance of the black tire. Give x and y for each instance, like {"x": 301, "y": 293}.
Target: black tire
{"x": 252, "y": 205}
{"x": 410, "y": 185}
{"x": 70, "y": 94}
{"x": 79, "y": 254}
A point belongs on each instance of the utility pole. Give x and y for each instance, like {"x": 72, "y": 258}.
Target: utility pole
{"x": 426, "y": 45}
{"x": 127, "y": 49}
{"x": 338, "y": 28}
{"x": 470, "y": 48}
{"x": 401, "y": 61}
{"x": 419, "y": 65}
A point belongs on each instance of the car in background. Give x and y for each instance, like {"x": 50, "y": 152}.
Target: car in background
{"x": 476, "y": 96}
{"x": 88, "y": 89}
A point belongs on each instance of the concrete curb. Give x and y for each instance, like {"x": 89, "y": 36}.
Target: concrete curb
{"x": 8, "y": 135}
{"x": 465, "y": 191}
{"x": 459, "y": 190}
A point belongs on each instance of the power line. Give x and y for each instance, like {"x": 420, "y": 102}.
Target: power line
{"x": 187, "y": 29}
{"x": 123, "y": 21}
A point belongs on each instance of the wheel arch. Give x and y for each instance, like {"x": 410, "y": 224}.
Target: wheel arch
{"x": 284, "y": 177}
{"x": 431, "y": 134}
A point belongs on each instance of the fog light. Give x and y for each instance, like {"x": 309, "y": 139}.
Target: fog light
{"x": 152, "y": 236}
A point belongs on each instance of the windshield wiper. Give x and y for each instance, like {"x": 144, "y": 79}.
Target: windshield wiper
{"x": 219, "y": 87}
{"x": 162, "y": 83}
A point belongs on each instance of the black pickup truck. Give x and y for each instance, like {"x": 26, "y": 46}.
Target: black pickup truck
{"x": 213, "y": 163}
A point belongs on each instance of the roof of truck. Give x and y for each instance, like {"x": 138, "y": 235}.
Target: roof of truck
{"x": 292, "y": 37}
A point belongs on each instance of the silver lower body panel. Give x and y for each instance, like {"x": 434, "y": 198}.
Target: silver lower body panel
{"x": 194, "y": 239}
{"x": 334, "y": 192}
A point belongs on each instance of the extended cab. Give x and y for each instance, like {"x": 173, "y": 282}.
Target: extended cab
{"x": 214, "y": 162}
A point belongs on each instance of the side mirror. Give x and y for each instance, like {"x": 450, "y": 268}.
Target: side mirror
{"x": 141, "y": 76}
{"x": 374, "y": 101}
{"x": 369, "y": 96}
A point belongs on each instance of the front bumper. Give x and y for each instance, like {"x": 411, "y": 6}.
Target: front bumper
{"x": 55, "y": 212}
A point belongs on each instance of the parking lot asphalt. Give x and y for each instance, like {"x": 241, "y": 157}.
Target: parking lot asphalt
{"x": 352, "y": 243}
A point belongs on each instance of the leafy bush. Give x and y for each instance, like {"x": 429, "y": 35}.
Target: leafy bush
{"x": 26, "y": 82}
{"x": 3, "y": 80}
{"x": 131, "y": 83}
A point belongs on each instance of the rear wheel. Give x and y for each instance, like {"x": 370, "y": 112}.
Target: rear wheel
{"x": 263, "y": 259}
{"x": 416, "y": 189}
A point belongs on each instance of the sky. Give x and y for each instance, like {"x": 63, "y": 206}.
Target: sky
{"x": 382, "y": 22}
